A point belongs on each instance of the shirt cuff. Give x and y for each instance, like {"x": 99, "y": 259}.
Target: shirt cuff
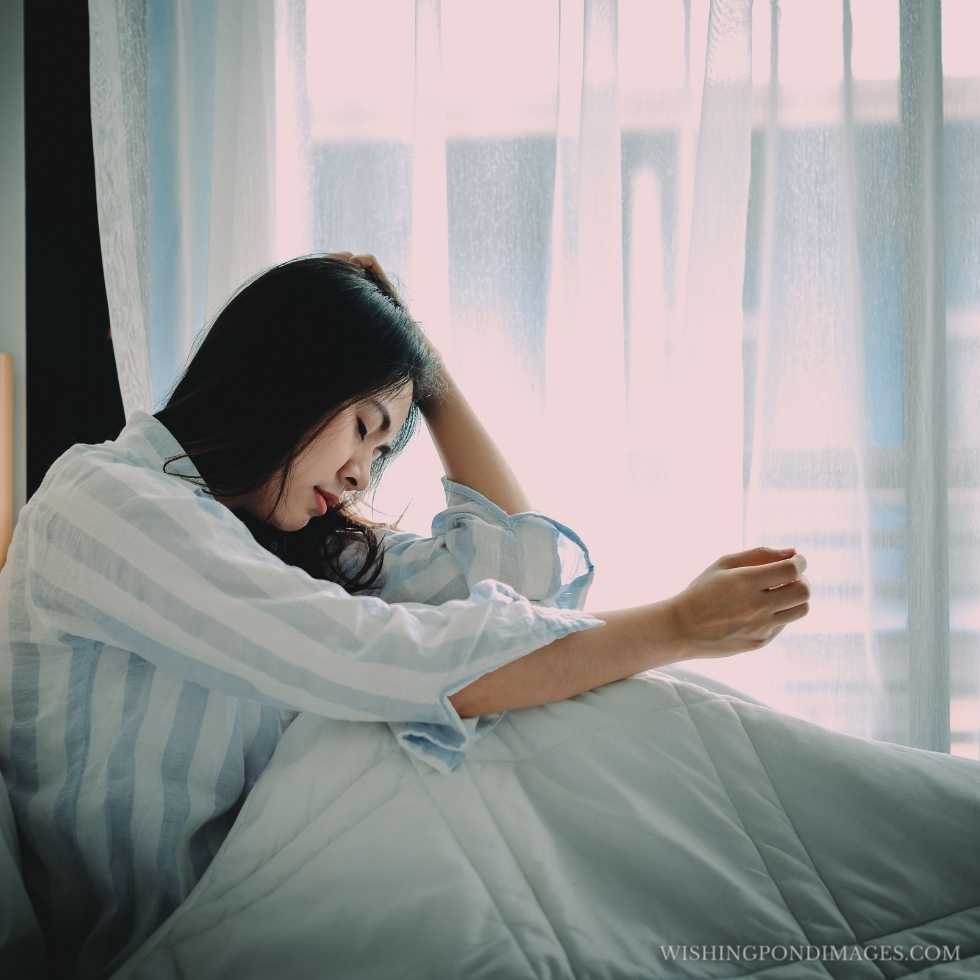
{"x": 444, "y": 746}
{"x": 554, "y": 560}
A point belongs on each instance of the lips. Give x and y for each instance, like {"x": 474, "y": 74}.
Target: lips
{"x": 330, "y": 499}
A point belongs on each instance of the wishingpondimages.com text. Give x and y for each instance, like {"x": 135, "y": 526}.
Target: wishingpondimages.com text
{"x": 763, "y": 953}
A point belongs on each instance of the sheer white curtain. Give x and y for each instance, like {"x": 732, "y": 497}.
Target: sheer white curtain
{"x": 685, "y": 258}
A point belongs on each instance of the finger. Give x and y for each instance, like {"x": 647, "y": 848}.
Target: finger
{"x": 778, "y": 588}
{"x": 777, "y": 573}
{"x": 790, "y": 615}
{"x": 370, "y": 263}
{"x": 788, "y": 596}
{"x": 754, "y": 556}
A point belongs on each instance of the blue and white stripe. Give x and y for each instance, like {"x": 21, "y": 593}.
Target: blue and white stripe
{"x": 155, "y": 652}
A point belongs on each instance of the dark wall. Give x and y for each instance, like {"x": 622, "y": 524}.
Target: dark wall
{"x": 72, "y": 386}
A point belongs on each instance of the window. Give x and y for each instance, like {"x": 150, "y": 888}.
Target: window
{"x": 500, "y": 87}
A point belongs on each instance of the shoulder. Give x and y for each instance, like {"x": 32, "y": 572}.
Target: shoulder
{"x": 98, "y": 486}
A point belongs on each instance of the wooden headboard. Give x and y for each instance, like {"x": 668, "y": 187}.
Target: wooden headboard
{"x": 6, "y": 453}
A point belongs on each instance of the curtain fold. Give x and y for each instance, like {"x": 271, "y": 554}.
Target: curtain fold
{"x": 925, "y": 378}
{"x": 685, "y": 259}
{"x": 117, "y": 82}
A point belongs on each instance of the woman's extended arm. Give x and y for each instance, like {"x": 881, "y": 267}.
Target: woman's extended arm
{"x": 633, "y": 640}
{"x": 739, "y": 602}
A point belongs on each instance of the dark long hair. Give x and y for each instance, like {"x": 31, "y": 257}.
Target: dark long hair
{"x": 294, "y": 347}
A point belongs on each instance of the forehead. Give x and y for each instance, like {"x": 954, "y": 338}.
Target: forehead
{"x": 396, "y": 406}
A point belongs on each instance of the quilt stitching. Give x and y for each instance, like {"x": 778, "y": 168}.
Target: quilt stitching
{"x": 231, "y": 837}
{"x": 761, "y": 972}
{"x": 183, "y": 937}
{"x": 741, "y": 821}
{"x": 517, "y": 864}
{"x": 613, "y": 725}
{"x": 926, "y": 968}
{"x": 919, "y": 925}
{"x": 459, "y": 844}
{"x": 789, "y": 819}
{"x": 173, "y": 934}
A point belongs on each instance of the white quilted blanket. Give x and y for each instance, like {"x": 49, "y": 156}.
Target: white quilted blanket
{"x": 593, "y": 838}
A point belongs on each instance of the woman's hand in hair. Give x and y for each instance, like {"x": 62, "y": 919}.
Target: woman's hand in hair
{"x": 373, "y": 267}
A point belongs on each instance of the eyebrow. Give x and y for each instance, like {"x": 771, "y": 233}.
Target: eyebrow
{"x": 385, "y": 417}
{"x": 385, "y": 422}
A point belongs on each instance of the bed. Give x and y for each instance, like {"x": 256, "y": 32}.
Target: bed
{"x": 593, "y": 838}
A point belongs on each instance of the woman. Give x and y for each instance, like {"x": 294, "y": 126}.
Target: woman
{"x": 174, "y": 597}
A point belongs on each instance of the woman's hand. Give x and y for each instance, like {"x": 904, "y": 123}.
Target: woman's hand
{"x": 370, "y": 264}
{"x": 741, "y": 602}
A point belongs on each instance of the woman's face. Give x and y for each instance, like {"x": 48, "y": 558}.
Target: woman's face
{"x": 337, "y": 460}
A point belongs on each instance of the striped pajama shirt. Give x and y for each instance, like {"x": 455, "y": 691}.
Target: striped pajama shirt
{"x": 154, "y": 652}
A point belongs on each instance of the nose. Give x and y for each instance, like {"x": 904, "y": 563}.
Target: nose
{"x": 354, "y": 474}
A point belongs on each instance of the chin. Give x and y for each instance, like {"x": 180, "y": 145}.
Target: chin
{"x": 289, "y": 524}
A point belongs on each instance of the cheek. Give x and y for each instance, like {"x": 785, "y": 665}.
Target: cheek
{"x": 271, "y": 490}
{"x": 339, "y": 446}
{"x": 325, "y": 457}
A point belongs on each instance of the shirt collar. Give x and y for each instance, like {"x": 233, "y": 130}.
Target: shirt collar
{"x": 147, "y": 438}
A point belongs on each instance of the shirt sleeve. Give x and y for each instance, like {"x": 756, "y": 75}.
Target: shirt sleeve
{"x": 474, "y": 540}
{"x": 174, "y": 577}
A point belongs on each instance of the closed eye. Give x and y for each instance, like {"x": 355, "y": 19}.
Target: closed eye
{"x": 362, "y": 431}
